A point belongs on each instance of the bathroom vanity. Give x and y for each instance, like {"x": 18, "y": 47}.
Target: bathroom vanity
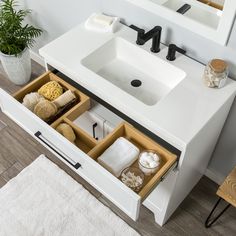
{"x": 172, "y": 112}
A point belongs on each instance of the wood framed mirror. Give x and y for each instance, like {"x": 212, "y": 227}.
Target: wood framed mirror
{"x": 212, "y": 19}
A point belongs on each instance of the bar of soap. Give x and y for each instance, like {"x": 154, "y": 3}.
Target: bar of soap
{"x": 103, "y": 20}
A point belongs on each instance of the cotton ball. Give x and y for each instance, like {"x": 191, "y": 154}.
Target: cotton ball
{"x": 153, "y": 164}
{"x": 149, "y": 158}
{"x": 143, "y": 162}
{"x": 156, "y": 157}
{"x": 144, "y": 157}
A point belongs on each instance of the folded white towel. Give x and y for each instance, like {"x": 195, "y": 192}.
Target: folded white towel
{"x": 120, "y": 155}
{"x": 102, "y": 23}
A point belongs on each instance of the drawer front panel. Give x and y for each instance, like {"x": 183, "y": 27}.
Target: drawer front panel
{"x": 91, "y": 171}
{"x": 123, "y": 197}
{"x": 17, "y": 112}
{"x": 128, "y": 201}
{"x": 31, "y": 123}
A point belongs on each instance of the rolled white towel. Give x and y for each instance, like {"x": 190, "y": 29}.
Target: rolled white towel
{"x": 120, "y": 155}
{"x": 102, "y": 23}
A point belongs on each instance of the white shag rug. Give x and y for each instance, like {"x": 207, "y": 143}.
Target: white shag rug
{"x": 44, "y": 201}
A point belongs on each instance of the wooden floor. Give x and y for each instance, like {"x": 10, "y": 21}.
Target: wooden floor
{"x": 18, "y": 149}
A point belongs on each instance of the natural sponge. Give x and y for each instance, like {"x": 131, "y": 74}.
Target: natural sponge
{"x": 30, "y": 100}
{"x": 51, "y": 90}
{"x": 66, "y": 131}
{"x": 45, "y": 109}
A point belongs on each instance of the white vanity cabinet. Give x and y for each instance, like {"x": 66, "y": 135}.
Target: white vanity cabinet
{"x": 183, "y": 126}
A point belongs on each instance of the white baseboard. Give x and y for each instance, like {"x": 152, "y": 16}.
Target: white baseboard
{"x": 36, "y": 57}
{"x": 214, "y": 176}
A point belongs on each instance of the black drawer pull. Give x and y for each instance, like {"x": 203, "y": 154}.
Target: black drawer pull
{"x": 39, "y": 134}
{"x": 94, "y": 130}
{"x": 184, "y": 8}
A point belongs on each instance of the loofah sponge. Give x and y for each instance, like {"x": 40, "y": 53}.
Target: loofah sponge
{"x": 30, "y": 100}
{"x": 66, "y": 131}
{"x": 64, "y": 99}
{"x": 51, "y": 90}
{"x": 45, "y": 109}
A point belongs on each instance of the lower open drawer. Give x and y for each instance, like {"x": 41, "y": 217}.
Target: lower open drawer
{"x": 82, "y": 155}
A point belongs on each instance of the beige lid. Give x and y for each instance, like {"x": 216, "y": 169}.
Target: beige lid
{"x": 218, "y": 65}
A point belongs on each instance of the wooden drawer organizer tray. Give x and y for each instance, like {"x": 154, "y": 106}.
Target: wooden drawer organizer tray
{"x": 81, "y": 99}
{"x": 91, "y": 146}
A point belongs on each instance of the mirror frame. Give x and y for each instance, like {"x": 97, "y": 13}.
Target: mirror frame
{"x": 219, "y": 35}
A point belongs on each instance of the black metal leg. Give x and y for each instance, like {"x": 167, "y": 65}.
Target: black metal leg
{"x": 210, "y": 221}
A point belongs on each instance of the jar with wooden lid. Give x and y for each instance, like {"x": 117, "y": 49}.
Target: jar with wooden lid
{"x": 216, "y": 73}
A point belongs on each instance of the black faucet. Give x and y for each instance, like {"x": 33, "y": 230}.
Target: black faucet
{"x": 172, "y": 51}
{"x": 143, "y": 37}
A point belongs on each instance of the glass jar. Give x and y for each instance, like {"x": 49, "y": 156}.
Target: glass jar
{"x": 216, "y": 73}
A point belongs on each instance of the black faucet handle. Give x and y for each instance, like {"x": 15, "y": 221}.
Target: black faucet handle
{"x": 139, "y": 30}
{"x": 141, "y": 33}
{"x": 180, "y": 50}
{"x": 172, "y": 51}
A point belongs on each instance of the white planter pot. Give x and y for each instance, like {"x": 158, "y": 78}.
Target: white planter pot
{"x": 17, "y": 68}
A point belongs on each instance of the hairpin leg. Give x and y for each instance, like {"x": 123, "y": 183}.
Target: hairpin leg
{"x": 210, "y": 221}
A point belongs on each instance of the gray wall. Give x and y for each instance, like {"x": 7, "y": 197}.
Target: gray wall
{"x": 56, "y": 17}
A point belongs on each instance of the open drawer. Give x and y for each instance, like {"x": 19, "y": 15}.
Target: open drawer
{"x": 81, "y": 156}
{"x": 143, "y": 143}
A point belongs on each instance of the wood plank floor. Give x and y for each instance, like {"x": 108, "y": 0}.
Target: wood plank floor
{"x": 18, "y": 149}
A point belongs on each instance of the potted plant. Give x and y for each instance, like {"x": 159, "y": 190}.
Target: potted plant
{"x": 15, "y": 40}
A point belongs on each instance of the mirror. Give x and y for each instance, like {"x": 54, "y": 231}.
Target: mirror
{"x": 212, "y": 19}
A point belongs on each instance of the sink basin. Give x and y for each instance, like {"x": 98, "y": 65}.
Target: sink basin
{"x": 134, "y": 70}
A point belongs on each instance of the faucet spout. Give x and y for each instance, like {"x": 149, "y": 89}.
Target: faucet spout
{"x": 143, "y": 37}
{"x": 156, "y": 40}
{"x": 150, "y": 34}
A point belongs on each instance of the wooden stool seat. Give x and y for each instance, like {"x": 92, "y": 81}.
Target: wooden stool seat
{"x": 227, "y": 190}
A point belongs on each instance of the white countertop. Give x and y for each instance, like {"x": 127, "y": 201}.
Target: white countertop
{"x": 176, "y": 118}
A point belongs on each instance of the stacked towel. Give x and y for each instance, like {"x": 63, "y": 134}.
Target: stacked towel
{"x": 120, "y": 155}
{"x": 102, "y": 23}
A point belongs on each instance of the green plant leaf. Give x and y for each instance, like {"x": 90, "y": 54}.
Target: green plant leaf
{"x": 14, "y": 36}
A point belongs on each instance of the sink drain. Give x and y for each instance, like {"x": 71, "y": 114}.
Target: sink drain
{"x": 136, "y": 83}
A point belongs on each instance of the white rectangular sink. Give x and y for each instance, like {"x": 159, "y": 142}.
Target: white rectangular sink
{"x": 134, "y": 70}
